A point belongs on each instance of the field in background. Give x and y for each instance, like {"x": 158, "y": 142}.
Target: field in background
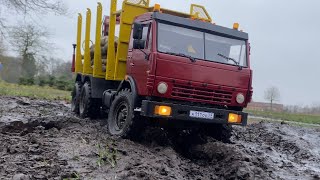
{"x": 304, "y": 118}
{"x": 38, "y": 92}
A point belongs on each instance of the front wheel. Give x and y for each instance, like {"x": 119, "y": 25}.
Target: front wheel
{"x": 122, "y": 122}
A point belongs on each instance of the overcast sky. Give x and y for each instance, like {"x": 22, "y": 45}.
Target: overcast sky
{"x": 284, "y": 36}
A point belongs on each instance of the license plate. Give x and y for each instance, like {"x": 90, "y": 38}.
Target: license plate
{"x": 202, "y": 115}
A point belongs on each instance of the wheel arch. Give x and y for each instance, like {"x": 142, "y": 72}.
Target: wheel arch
{"x": 129, "y": 83}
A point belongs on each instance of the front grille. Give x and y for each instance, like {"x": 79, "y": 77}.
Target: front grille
{"x": 202, "y": 94}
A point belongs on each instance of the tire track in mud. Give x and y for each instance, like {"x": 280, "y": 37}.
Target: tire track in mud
{"x": 43, "y": 140}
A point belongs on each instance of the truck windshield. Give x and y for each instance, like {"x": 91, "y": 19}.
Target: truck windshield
{"x": 200, "y": 45}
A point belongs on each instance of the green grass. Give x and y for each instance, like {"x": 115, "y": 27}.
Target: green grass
{"x": 304, "y": 118}
{"x": 38, "y": 92}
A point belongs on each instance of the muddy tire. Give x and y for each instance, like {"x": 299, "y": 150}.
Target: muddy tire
{"x": 122, "y": 122}
{"x": 75, "y": 94}
{"x": 88, "y": 107}
{"x": 221, "y": 132}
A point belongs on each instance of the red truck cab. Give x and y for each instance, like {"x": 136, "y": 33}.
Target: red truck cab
{"x": 190, "y": 69}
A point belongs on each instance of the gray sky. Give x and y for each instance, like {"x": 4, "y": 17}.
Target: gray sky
{"x": 284, "y": 37}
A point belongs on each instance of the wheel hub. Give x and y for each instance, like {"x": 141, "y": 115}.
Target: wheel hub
{"x": 122, "y": 114}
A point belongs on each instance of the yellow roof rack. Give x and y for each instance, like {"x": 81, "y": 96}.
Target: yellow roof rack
{"x": 196, "y": 12}
{"x": 199, "y": 12}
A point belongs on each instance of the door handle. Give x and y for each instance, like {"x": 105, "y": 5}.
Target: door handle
{"x": 131, "y": 64}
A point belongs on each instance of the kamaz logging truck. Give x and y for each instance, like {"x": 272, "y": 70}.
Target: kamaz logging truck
{"x": 164, "y": 66}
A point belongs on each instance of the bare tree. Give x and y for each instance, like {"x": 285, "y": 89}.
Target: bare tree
{"x": 2, "y": 26}
{"x": 41, "y": 6}
{"x": 272, "y": 94}
{"x": 26, "y": 7}
{"x": 29, "y": 41}
{"x": 2, "y": 47}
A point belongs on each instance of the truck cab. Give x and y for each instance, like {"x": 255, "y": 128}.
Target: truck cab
{"x": 199, "y": 70}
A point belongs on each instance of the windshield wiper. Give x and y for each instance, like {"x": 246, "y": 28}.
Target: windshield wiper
{"x": 182, "y": 55}
{"x": 229, "y": 58}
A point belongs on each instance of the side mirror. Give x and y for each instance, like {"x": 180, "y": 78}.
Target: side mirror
{"x": 137, "y": 31}
{"x": 139, "y": 44}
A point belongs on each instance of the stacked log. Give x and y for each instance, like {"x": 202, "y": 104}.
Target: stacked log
{"x": 104, "y": 51}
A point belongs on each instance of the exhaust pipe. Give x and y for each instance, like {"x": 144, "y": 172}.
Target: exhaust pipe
{"x": 73, "y": 58}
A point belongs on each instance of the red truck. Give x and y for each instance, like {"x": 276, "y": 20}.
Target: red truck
{"x": 179, "y": 68}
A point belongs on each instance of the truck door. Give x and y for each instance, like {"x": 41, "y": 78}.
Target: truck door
{"x": 139, "y": 63}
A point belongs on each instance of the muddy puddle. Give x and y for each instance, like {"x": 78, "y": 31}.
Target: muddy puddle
{"x": 43, "y": 140}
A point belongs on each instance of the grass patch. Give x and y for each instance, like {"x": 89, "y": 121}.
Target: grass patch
{"x": 38, "y": 92}
{"x": 107, "y": 155}
{"x": 305, "y": 118}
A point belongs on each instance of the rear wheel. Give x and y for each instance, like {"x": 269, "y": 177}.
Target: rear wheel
{"x": 88, "y": 107}
{"x": 75, "y": 97}
{"x": 122, "y": 122}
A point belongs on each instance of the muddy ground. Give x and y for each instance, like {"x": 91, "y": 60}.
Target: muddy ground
{"x": 43, "y": 140}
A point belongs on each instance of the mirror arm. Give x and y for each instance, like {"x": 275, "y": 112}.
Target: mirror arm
{"x": 146, "y": 55}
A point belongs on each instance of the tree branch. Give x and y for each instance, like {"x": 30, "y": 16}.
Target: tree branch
{"x": 39, "y": 6}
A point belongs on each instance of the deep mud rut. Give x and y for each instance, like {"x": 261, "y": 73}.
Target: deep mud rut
{"x": 43, "y": 140}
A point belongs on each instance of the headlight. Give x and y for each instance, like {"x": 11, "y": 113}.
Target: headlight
{"x": 240, "y": 98}
{"x": 162, "y": 87}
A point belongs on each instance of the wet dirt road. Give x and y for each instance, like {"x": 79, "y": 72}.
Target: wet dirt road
{"x": 43, "y": 140}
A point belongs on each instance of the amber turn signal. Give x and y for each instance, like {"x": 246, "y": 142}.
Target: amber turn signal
{"x": 234, "y": 118}
{"x": 162, "y": 110}
{"x": 236, "y": 26}
{"x": 156, "y": 8}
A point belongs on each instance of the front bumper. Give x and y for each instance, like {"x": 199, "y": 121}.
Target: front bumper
{"x": 181, "y": 112}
